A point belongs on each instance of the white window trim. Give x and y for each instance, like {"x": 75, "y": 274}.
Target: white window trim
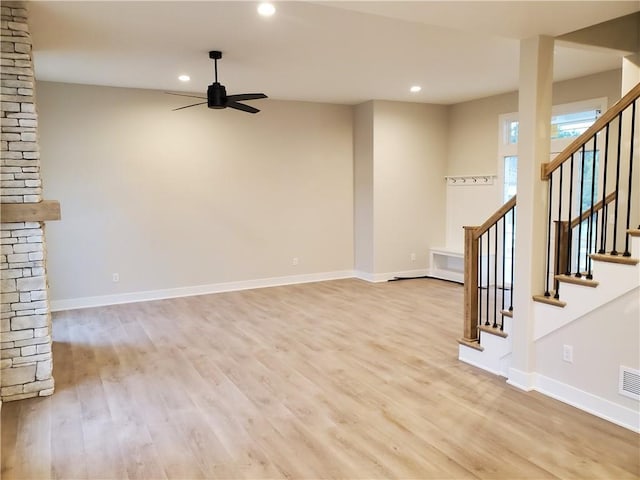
{"x": 506, "y": 149}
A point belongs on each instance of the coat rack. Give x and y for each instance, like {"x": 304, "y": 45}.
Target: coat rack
{"x": 470, "y": 180}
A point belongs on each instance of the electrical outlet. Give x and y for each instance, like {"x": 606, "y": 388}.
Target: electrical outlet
{"x": 567, "y": 353}
{"x": 413, "y": 257}
{"x": 295, "y": 261}
{"x": 115, "y": 277}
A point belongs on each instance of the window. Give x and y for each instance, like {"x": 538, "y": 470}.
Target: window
{"x": 510, "y": 183}
{"x": 572, "y": 125}
{"x": 568, "y": 121}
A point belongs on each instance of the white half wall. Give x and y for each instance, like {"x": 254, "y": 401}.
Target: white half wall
{"x": 194, "y": 197}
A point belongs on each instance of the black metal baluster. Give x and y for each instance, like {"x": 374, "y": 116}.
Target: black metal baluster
{"x": 615, "y": 204}
{"x": 479, "y": 281}
{"x": 627, "y": 253}
{"x": 603, "y": 218}
{"x": 595, "y": 231}
{"x": 495, "y": 278}
{"x": 504, "y": 257}
{"x": 578, "y": 272}
{"x": 513, "y": 254}
{"x": 556, "y": 283}
{"x": 488, "y": 274}
{"x": 570, "y": 234}
{"x": 590, "y": 236}
{"x": 546, "y": 283}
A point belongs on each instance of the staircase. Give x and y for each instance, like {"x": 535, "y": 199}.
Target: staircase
{"x": 592, "y": 242}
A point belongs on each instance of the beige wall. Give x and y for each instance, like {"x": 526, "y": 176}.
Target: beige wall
{"x": 172, "y": 199}
{"x": 473, "y": 125}
{"x": 222, "y": 196}
{"x": 363, "y": 187}
{"x": 410, "y": 150}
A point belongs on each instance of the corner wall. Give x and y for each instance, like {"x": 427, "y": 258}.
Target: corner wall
{"x": 400, "y": 155}
{"x": 410, "y": 151}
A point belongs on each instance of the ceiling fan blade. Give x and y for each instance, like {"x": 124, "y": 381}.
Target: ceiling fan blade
{"x": 188, "y": 106}
{"x": 246, "y": 96}
{"x": 242, "y": 106}
{"x": 183, "y": 95}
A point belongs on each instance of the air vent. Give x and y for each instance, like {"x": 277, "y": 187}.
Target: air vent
{"x": 629, "y": 383}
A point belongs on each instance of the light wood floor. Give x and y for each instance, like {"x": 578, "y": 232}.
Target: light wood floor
{"x": 341, "y": 379}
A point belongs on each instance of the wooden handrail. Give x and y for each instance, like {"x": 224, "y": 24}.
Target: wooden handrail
{"x": 596, "y": 206}
{"x": 501, "y": 212}
{"x": 599, "y": 124}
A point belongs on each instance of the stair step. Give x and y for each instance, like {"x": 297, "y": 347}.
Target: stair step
{"x": 576, "y": 281}
{"x": 493, "y": 331}
{"x": 549, "y": 301}
{"x": 507, "y": 313}
{"x": 614, "y": 259}
{"x": 471, "y": 344}
{"x": 634, "y": 232}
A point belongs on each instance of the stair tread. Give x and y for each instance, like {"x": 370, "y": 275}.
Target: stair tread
{"x": 493, "y": 331}
{"x": 577, "y": 281}
{"x": 507, "y": 313}
{"x": 605, "y": 257}
{"x": 549, "y": 301}
{"x": 475, "y": 345}
{"x": 634, "y": 232}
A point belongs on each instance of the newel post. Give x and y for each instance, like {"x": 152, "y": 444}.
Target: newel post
{"x": 470, "y": 284}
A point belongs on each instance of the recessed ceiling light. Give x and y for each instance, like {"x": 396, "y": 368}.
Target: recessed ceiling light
{"x": 266, "y": 9}
{"x": 184, "y": 78}
{"x": 415, "y": 89}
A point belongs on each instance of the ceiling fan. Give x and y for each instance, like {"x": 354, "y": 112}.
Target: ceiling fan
{"x": 217, "y": 95}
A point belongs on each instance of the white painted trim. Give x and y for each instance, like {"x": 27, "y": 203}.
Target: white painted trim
{"x": 598, "y": 406}
{"x": 467, "y": 355}
{"x": 522, "y": 380}
{"x": 384, "y": 277}
{"x": 132, "y": 297}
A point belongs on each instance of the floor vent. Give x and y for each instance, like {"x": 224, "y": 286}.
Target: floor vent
{"x": 629, "y": 382}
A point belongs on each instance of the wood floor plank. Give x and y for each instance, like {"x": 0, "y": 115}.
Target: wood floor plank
{"x": 340, "y": 379}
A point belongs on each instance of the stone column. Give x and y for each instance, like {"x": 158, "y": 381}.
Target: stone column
{"x": 25, "y": 333}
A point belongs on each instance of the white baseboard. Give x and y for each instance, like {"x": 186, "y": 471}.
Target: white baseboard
{"x": 598, "y": 406}
{"x": 474, "y": 358}
{"x": 384, "y": 277}
{"x": 523, "y": 380}
{"x": 132, "y": 297}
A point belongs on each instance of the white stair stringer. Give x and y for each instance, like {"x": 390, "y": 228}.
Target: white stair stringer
{"x": 614, "y": 280}
{"x": 496, "y": 355}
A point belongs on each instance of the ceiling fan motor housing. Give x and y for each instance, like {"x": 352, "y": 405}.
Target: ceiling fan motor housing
{"x": 216, "y": 96}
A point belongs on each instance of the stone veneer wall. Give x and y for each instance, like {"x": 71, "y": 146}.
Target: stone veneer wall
{"x": 25, "y": 333}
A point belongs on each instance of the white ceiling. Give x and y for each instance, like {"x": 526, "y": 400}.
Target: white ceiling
{"x": 337, "y": 52}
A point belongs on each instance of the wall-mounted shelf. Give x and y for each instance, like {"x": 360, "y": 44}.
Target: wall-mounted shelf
{"x": 470, "y": 180}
